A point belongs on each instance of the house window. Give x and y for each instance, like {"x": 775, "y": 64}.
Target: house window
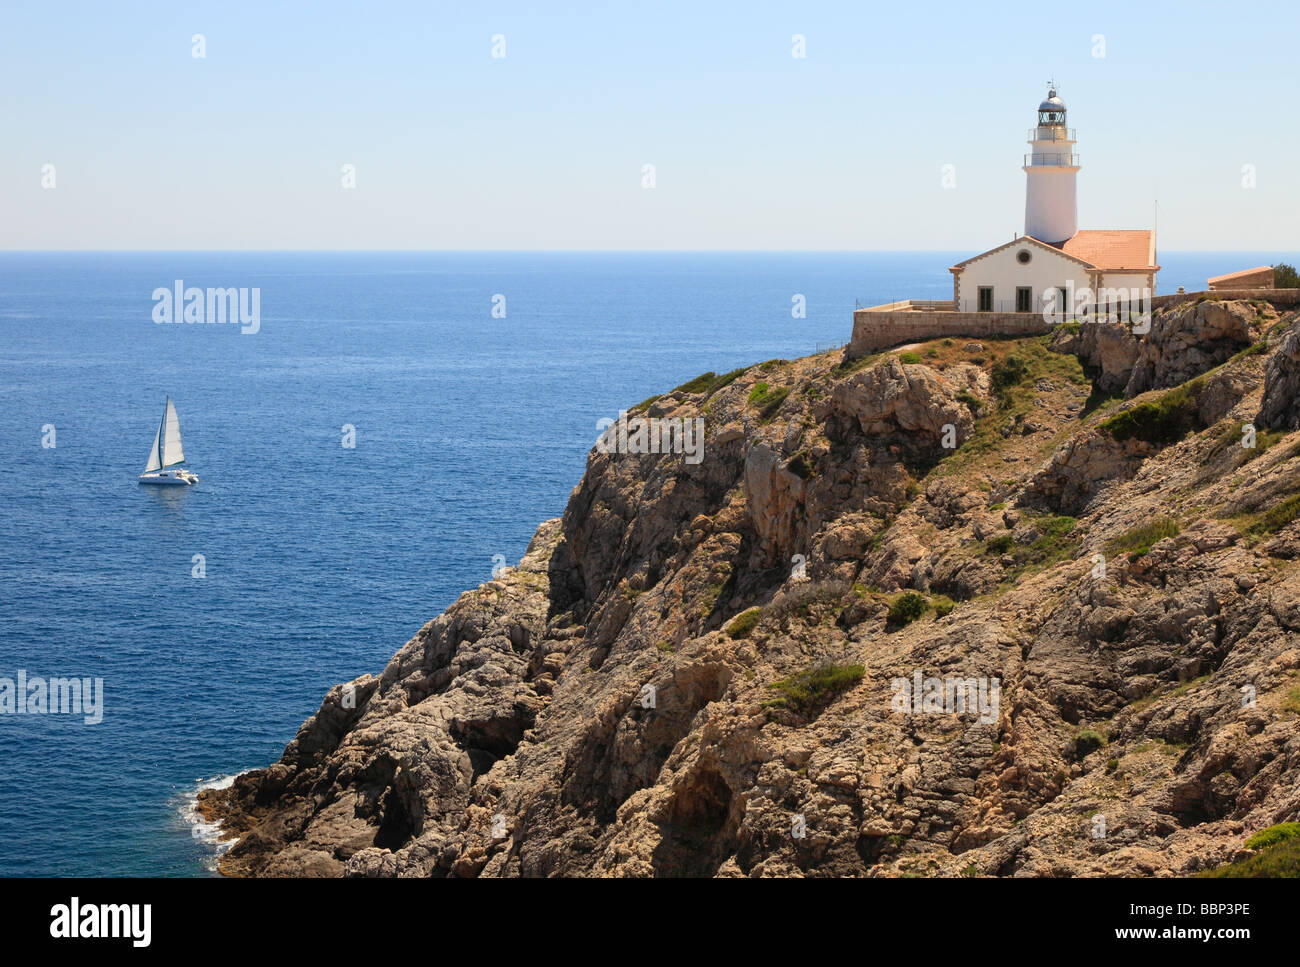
{"x": 1024, "y": 298}
{"x": 986, "y": 298}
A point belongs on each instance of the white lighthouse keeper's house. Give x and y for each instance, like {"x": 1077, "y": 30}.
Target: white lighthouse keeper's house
{"x": 1053, "y": 254}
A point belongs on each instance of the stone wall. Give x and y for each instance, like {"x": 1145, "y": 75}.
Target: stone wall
{"x": 1279, "y": 297}
{"x": 898, "y": 323}
{"x": 881, "y": 327}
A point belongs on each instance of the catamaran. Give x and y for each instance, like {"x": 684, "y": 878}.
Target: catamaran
{"x": 166, "y": 453}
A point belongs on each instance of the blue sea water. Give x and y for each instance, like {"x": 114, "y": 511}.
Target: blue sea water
{"x": 320, "y": 560}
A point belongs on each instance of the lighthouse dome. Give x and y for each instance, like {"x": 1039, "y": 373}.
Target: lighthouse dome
{"x": 1053, "y": 103}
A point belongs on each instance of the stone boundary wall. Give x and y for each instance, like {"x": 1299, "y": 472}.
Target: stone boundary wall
{"x": 882, "y": 327}
{"x": 1279, "y": 297}
{"x": 899, "y": 323}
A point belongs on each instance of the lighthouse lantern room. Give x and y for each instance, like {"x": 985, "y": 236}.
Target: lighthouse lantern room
{"x": 1051, "y": 201}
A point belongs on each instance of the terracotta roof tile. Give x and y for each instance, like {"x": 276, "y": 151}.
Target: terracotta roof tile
{"x": 1111, "y": 250}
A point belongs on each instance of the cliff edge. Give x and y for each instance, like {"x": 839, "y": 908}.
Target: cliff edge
{"x": 1013, "y": 607}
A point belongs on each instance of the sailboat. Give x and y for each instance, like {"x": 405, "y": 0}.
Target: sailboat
{"x": 167, "y": 452}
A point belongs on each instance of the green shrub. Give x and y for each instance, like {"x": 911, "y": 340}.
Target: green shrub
{"x": 907, "y": 607}
{"x": 1272, "y": 835}
{"x": 814, "y": 687}
{"x": 910, "y": 358}
{"x": 743, "y": 623}
{"x": 1279, "y": 860}
{"x": 1140, "y": 539}
{"x": 1008, "y": 372}
{"x": 1166, "y": 419}
{"x": 1285, "y": 276}
{"x": 971, "y": 400}
{"x": 998, "y": 545}
{"x": 801, "y": 465}
{"x": 767, "y": 400}
{"x": 1088, "y": 740}
{"x": 942, "y": 605}
{"x": 1277, "y": 518}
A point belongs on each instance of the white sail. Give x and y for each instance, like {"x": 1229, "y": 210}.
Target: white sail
{"x": 154, "y": 463}
{"x": 171, "y": 437}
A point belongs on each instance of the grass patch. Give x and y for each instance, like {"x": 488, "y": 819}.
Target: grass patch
{"x": 697, "y": 385}
{"x": 910, "y": 358}
{"x": 1254, "y": 349}
{"x": 1233, "y": 438}
{"x": 1015, "y": 396}
{"x": 767, "y": 400}
{"x": 1277, "y": 518}
{"x": 1140, "y": 539}
{"x": 815, "y": 687}
{"x": 744, "y": 623}
{"x": 644, "y": 404}
{"x": 971, "y": 400}
{"x": 1057, "y": 540}
{"x": 710, "y": 382}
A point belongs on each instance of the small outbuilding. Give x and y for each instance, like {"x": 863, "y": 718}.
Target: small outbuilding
{"x": 1257, "y": 278}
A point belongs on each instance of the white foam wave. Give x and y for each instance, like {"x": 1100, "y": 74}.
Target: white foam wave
{"x": 209, "y": 835}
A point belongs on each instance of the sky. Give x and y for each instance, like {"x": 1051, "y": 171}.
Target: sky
{"x": 1191, "y": 105}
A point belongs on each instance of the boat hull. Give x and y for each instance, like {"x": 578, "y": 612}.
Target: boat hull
{"x": 169, "y": 478}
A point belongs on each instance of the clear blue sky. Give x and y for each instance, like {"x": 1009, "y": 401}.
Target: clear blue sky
{"x": 753, "y": 148}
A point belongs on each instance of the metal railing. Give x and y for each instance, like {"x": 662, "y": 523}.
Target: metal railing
{"x": 1036, "y": 306}
{"x": 1067, "y": 158}
{"x": 1053, "y": 132}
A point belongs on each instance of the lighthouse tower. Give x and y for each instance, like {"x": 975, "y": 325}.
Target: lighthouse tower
{"x": 1051, "y": 205}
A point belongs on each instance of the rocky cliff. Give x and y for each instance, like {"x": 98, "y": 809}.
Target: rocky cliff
{"x": 744, "y": 666}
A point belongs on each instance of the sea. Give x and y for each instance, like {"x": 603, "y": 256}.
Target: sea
{"x": 397, "y": 425}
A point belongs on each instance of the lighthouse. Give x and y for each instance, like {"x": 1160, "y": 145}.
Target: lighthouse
{"x": 1051, "y": 202}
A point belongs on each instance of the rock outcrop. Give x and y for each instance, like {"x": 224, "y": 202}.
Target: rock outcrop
{"x": 712, "y": 668}
{"x": 1280, "y": 407}
{"x": 1180, "y": 342}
